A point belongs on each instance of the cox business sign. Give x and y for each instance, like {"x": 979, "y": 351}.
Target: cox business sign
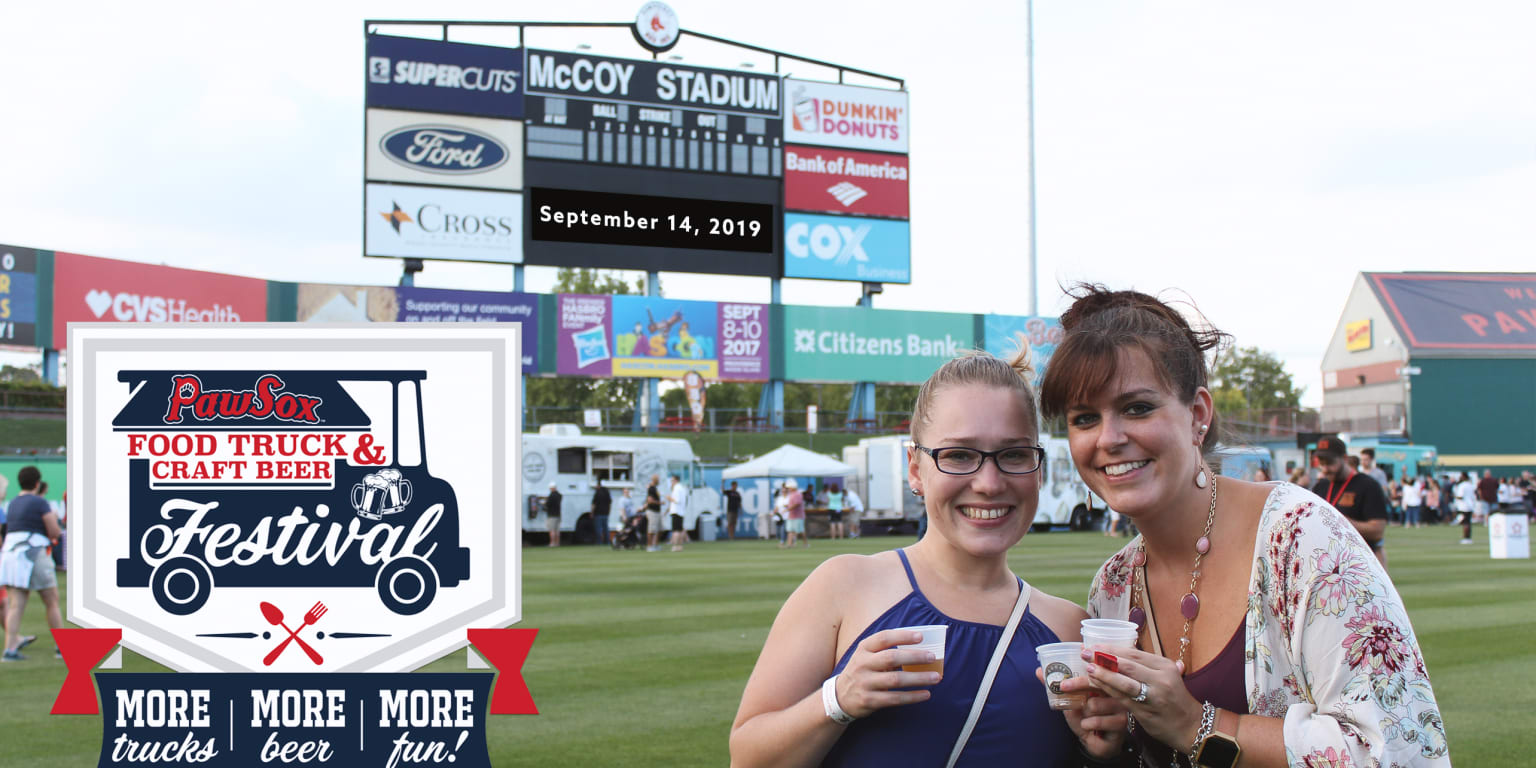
{"x": 847, "y": 248}
{"x": 859, "y": 344}
{"x": 436, "y": 76}
{"x": 443, "y": 223}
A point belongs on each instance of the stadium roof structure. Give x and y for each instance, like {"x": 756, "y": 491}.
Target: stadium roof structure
{"x": 1460, "y": 314}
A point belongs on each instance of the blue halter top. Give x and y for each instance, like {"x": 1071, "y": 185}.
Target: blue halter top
{"x": 1017, "y": 726}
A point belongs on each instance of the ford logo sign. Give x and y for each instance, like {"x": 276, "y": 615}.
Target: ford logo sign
{"x": 443, "y": 149}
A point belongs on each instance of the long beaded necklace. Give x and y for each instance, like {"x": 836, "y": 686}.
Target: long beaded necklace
{"x": 1189, "y": 606}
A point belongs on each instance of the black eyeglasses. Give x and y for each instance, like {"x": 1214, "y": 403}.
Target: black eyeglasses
{"x": 1020, "y": 460}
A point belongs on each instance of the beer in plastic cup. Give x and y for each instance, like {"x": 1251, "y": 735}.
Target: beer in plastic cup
{"x": 933, "y": 641}
{"x": 1061, "y": 661}
{"x": 1110, "y": 632}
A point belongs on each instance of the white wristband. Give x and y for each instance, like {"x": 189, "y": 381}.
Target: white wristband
{"x": 829, "y": 702}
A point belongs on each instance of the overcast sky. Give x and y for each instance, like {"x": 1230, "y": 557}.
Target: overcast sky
{"x": 1253, "y": 156}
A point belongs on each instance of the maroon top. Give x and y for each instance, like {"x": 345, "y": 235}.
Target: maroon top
{"x": 1221, "y": 682}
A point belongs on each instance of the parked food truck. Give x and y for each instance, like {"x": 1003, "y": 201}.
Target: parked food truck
{"x": 574, "y": 462}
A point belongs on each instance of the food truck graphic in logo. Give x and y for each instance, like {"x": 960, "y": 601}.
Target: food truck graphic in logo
{"x": 282, "y": 479}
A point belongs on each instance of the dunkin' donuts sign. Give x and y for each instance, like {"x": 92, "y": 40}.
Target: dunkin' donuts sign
{"x": 831, "y": 115}
{"x": 274, "y": 499}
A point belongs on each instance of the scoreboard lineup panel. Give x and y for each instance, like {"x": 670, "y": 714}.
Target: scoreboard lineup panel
{"x": 640, "y": 135}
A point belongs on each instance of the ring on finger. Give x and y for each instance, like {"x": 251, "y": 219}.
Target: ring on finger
{"x": 1141, "y": 695}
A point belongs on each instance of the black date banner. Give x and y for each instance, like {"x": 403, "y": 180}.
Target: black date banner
{"x": 576, "y": 216}
{"x": 216, "y": 719}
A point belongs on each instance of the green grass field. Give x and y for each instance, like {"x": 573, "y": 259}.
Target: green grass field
{"x": 641, "y": 657}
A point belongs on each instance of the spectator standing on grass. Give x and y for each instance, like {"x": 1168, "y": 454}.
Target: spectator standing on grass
{"x": 1413, "y": 501}
{"x": 853, "y": 512}
{"x": 834, "y": 509}
{"x": 25, "y": 566}
{"x": 780, "y": 526}
{"x": 552, "y": 504}
{"x": 620, "y": 515}
{"x": 653, "y": 514}
{"x": 1487, "y": 497}
{"x": 794, "y": 514}
{"x": 677, "y": 501}
{"x": 1368, "y": 466}
{"x": 1432, "y": 500}
{"x": 1465, "y": 500}
{"x": 1357, "y": 496}
{"x": 602, "y": 504}
{"x": 732, "y": 510}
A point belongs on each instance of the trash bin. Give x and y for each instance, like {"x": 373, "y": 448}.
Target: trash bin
{"x": 1509, "y": 536}
{"x": 707, "y": 526}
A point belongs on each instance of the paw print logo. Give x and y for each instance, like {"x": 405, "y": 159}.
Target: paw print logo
{"x": 805, "y": 340}
{"x": 187, "y": 390}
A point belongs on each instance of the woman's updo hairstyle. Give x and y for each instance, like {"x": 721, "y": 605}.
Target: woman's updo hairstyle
{"x": 1102, "y": 324}
{"x": 975, "y": 366}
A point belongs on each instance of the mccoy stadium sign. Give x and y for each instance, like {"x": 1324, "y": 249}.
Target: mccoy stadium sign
{"x": 593, "y": 77}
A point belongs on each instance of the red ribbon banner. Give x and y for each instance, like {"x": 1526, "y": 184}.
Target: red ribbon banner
{"x": 83, "y": 649}
{"x": 505, "y": 649}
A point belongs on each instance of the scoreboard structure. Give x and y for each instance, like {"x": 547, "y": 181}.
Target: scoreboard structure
{"x": 528, "y": 155}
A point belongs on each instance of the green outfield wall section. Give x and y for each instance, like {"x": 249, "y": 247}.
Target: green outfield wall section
{"x": 1472, "y": 407}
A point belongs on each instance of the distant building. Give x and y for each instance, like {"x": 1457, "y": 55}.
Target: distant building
{"x": 1441, "y": 358}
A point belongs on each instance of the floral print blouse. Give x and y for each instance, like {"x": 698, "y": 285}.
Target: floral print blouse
{"x": 1328, "y": 646}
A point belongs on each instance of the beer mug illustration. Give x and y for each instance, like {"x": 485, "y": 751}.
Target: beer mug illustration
{"x": 399, "y": 490}
{"x": 371, "y": 497}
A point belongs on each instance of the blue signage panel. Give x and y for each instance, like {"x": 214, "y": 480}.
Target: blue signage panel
{"x": 439, "y": 305}
{"x": 847, "y": 248}
{"x": 18, "y": 296}
{"x": 1462, "y": 311}
{"x": 437, "y": 76}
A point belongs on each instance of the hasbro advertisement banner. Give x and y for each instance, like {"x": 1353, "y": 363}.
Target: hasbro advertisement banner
{"x": 1003, "y": 336}
{"x": 656, "y": 337}
{"x": 289, "y": 503}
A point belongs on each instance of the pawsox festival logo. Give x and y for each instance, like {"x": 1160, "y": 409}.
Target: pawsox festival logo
{"x": 274, "y": 523}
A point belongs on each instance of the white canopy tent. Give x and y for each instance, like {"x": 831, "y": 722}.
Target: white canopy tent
{"x": 789, "y": 461}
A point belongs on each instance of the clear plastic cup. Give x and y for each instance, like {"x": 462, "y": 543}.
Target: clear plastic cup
{"x": 1061, "y": 661}
{"x": 1113, "y": 633}
{"x": 934, "y": 636}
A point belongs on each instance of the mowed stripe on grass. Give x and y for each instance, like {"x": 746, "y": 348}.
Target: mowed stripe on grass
{"x": 641, "y": 657}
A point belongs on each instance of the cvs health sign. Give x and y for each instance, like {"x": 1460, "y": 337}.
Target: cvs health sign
{"x": 91, "y": 289}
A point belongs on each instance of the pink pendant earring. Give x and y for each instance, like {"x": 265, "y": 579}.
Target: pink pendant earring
{"x": 1200, "y": 477}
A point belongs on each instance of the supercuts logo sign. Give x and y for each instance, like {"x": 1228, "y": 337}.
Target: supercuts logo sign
{"x": 90, "y": 289}
{"x": 823, "y": 180}
{"x": 437, "y": 76}
{"x": 845, "y": 116}
{"x": 648, "y": 82}
{"x": 294, "y": 498}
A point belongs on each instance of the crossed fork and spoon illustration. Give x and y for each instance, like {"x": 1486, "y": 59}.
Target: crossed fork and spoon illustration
{"x": 275, "y": 618}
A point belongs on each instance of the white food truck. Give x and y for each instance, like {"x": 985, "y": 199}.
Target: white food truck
{"x": 562, "y": 455}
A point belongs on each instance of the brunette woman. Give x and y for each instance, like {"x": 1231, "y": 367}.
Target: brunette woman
{"x": 1268, "y": 631}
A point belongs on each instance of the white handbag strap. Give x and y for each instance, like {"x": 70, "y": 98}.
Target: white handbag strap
{"x": 986, "y": 680}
